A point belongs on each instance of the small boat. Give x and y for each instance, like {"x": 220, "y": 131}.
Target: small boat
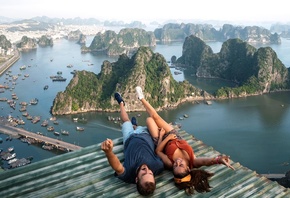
{"x": 80, "y": 128}
{"x": 64, "y": 132}
{"x": 39, "y": 133}
{"x": 11, "y": 156}
{"x": 34, "y": 101}
{"x": 208, "y": 102}
{"x": 44, "y": 123}
{"x": 47, "y": 147}
{"x": 10, "y": 149}
{"x": 50, "y": 128}
{"x": 12, "y": 161}
{"x": 56, "y": 133}
{"x": 45, "y": 87}
{"x": 23, "y": 67}
{"x": 59, "y": 78}
{"x": 35, "y": 119}
{"x": 52, "y": 118}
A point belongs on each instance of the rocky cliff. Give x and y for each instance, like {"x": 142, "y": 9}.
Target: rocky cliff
{"x": 27, "y": 43}
{"x": 74, "y": 35}
{"x": 4, "y": 43}
{"x": 90, "y": 92}
{"x": 237, "y": 61}
{"x": 45, "y": 41}
{"x": 127, "y": 41}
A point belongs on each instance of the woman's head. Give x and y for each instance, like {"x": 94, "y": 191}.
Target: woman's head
{"x": 145, "y": 180}
{"x": 180, "y": 168}
{"x": 194, "y": 180}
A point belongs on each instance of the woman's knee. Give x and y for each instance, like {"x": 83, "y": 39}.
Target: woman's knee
{"x": 150, "y": 122}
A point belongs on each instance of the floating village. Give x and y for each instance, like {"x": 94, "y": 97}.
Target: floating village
{"x": 9, "y": 156}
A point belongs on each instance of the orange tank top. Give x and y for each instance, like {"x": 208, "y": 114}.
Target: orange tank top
{"x": 172, "y": 145}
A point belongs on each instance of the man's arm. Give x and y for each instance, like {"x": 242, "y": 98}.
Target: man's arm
{"x": 107, "y": 147}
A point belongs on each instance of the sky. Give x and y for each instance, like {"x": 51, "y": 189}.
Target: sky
{"x": 150, "y": 10}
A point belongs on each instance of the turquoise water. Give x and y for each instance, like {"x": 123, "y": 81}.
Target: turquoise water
{"x": 253, "y": 131}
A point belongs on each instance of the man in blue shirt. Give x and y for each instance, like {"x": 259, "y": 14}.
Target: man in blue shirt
{"x": 140, "y": 163}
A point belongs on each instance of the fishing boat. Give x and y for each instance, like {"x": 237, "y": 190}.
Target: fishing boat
{"x": 44, "y": 123}
{"x": 10, "y": 149}
{"x": 80, "y": 128}
{"x": 23, "y": 67}
{"x": 12, "y": 161}
{"x": 9, "y": 157}
{"x": 34, "y": 101}
{"x": 64, "y": 132}
{"x": 56, "y": 133}
{"x": 45, "y": 87}
{"x": 50, "y": 128}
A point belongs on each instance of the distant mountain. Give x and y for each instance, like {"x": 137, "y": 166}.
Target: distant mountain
{"x": 29, "y": 25}
{"x": 68, "y": 21}
{"x": 6, "y": 20}
{"x": 206, "y": 32}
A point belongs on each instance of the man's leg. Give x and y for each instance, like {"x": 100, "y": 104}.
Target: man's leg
{"x": 123, "y": 112}
{"x": 127, "y": 127}
{"x": 152, "y": 112}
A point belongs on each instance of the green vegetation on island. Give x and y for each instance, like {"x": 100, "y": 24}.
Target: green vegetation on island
{"x": 255, "y": 71}
{"x": 90, "y": 92}
{"x": 127, "y": 41}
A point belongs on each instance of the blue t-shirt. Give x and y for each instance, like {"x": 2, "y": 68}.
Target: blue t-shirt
{"x": 139, "y": 149}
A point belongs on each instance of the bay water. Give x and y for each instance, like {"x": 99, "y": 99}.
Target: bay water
{"x": 253, "y": 131}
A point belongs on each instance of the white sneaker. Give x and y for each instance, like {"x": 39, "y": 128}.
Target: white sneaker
{"x": 139, "y": 92}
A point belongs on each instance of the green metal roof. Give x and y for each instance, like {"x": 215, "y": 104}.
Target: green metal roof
{"x": 86, "y": 173}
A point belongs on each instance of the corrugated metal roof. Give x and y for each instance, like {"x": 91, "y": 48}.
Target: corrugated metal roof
{"x": 86, "y": 173}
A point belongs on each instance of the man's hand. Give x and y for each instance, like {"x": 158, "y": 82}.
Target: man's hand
{"x": 107, "y": 146}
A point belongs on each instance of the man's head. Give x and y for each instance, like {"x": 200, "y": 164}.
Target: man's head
{"x": 145, "y": 180}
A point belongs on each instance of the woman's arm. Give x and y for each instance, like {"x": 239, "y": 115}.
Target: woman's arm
{"x": 161, "y": 144}
{"x": 160, "y": 147}
{"x": 209, "y": 161}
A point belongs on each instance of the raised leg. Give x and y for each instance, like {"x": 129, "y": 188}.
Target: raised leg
{"x": 153, "y": 113}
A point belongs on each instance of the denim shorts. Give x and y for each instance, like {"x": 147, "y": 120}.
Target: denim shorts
{"x": 128, "y": 130}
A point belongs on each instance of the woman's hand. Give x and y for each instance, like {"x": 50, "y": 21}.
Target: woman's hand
{"x": 161, "y": 132}
{"x": 224, "y": 159}
{"x": 171, "y": 137}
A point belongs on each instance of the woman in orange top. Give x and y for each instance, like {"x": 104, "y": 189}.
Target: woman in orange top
{"x": 177, "y": 154}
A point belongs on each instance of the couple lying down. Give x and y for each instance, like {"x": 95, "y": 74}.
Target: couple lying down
{"x": 151, "y": 148}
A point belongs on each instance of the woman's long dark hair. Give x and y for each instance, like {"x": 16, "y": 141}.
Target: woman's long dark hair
{"x": 199, "y": 182}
